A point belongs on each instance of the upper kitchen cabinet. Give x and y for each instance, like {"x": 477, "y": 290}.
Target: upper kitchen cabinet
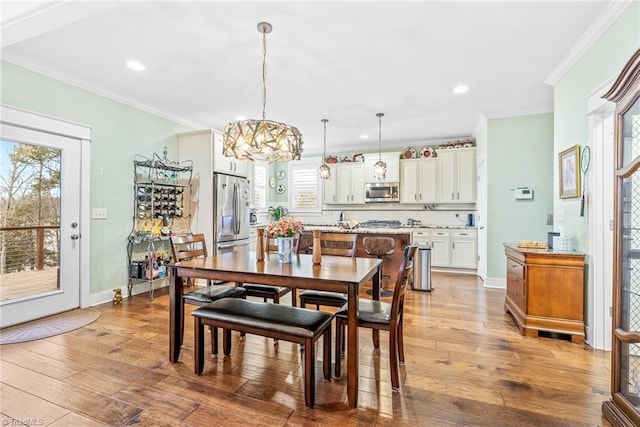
{"x": 349, "y": 183}
{"x": 228, "y": 165}
{"x": 205, "y": 147}
{"x": 329, "y": 186}
{"x": 457, "y": 175}
{"x": 419, "y": 181}
{"x": 393, "y": 167}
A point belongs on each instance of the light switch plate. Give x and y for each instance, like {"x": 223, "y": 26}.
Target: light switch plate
{"x": 559, "y": 214}
{"x": 99, "y": 213}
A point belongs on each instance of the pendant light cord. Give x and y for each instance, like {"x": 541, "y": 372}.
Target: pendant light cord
{"x": 324, "y": 150}
{"x": 380, "y": 136}
{"x": 264, "y": 73}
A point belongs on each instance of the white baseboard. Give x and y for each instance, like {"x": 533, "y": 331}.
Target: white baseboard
{"x": 496, "y": 282}
{"x": 136, "y": 289}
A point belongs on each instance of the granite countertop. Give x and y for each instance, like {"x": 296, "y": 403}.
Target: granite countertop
{"x": 545, "y": 251}
{"x": 384, "y": 230}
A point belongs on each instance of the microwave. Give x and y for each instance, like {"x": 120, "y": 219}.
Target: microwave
{"x": 381, "y": 192}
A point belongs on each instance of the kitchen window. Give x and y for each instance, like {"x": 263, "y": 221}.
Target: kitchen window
{"x": 304, "y": 185}
{"x": 260, "y": 169}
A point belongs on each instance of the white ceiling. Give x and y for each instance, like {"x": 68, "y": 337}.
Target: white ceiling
{"x": 344, "y": 61}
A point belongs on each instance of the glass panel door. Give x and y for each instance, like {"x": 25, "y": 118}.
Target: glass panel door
{"x": 39, "y": 216}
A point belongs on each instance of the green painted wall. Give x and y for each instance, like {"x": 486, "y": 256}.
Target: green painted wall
{"x": 521, "y": 152}
{"x": 119, "y": 132}
{"x": 599, "y": 64}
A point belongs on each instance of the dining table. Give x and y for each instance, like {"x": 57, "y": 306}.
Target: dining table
{"x": 334, "y": 274}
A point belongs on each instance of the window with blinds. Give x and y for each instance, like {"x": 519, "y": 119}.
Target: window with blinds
{"x": 260, "y": 185}
{"x": 304, "y": 186}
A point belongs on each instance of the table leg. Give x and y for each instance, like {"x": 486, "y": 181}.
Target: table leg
{"x": 352, "y": 347}
{"x": 377, "y": 284}
{"x": 176, "y": 313}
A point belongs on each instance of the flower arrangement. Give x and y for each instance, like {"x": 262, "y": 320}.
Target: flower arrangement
{"x": 285, "y": 227}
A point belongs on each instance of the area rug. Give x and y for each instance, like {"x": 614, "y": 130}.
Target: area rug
{"x": 48, "y": 326}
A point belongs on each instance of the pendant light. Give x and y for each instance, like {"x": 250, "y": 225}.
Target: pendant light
{"x": 262, "y": 139}
{"x": 380, "y": 168}
{"x": 325, "y": 170}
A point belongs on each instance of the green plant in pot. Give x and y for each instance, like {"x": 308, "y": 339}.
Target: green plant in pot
{"x": 277, "y": 213}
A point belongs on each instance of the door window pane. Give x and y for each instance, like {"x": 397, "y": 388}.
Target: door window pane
{"x": 29, "y": 219}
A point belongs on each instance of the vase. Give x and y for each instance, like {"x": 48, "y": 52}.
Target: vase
{"x": 285, "y": 249}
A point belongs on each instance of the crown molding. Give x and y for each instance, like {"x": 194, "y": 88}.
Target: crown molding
{"x": 518, "y": 113}
{"x": 584, "y": 43}
{"x": 31, "y": 66}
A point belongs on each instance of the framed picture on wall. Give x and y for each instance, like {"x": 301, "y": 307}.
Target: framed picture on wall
{"x": 568, "y": 163}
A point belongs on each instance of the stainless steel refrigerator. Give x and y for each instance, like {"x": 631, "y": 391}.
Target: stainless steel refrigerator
{"x": 230, "y": 213}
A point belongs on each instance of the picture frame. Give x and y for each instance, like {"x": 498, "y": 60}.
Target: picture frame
{"x": 569, "y": 172}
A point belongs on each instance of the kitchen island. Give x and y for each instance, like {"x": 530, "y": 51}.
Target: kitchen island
{"x": 391, "y": 263}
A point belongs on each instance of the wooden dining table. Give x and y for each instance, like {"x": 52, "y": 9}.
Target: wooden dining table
{"x": 334, "y": 274}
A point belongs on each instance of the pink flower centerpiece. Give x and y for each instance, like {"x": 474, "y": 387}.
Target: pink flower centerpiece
{"x": 283, "y": 231}
{"x": 285, "y": 227}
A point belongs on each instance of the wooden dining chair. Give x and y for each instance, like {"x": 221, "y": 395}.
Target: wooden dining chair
{"x": 381, "y": 316}
{"x": 336, "y": 244}
{"x": 273, "y": 292}
{"x": 193, "y": 246}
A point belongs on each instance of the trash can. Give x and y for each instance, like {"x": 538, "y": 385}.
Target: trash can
{"x": 422, "y": 269}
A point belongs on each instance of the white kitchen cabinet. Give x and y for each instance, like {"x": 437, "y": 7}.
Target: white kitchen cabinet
{"x": 393, "y": 167}
{"x": 349, "y": 183}
{"x": 419, "y": 182}
{"x": 464, "y": 248}
{"x": 440, "y": 247}
{"x": 457, "y": 171}
{"x": 223, "y": 164}
{"x": 329, "y": 186}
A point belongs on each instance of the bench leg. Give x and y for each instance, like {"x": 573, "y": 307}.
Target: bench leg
{"x": 309, "y": 373}
{"x": 326, "y": 353}
{"x": 226, "y": 341}
{"x": 214, "y": 340}
{"x": 198, "y": 346}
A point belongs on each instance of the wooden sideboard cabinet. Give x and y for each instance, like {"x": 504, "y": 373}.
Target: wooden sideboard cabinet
{"x": 545, "y": 291}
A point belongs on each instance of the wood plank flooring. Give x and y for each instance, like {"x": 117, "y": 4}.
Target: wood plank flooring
{"x": 466, "y": 365}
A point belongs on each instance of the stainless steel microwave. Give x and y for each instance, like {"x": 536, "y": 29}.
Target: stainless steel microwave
{"x": 381, "y": 192}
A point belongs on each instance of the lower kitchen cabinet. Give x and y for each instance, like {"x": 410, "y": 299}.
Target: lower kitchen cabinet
{"x": 440, "y": 248}
{"x": 464, "y": 249}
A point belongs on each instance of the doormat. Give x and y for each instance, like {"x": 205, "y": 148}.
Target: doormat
{"x": 48, "y": 326}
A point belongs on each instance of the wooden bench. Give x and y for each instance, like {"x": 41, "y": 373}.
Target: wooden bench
{"x": 276, "y": 321}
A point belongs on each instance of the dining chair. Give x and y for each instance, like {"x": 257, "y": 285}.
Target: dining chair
{"x": 381, "y": 316}
{"x": 337, "y": 244}
{"x": 192, "y": 246}
{"x": 268, "y": 291}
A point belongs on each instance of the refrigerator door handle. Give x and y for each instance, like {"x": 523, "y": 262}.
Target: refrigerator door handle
{"x": 236, "y": 209}
{"x": 232, "y": 244}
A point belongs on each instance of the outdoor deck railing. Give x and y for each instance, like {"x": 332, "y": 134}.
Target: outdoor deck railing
{"x": 29, "y": 247}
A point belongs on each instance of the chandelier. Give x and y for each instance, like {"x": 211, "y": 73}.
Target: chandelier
{"x": 325, "y": 171}
{"x": 262, "y": 139}
{"x": 380, "y": 168}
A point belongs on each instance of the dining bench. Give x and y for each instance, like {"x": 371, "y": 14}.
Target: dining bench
{"x": 282, "y": 322}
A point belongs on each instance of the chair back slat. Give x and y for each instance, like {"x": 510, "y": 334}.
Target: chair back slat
{"x": 188, "y": 247}
{"x": 338, "y": 244}
{"x": 404, "y": 277}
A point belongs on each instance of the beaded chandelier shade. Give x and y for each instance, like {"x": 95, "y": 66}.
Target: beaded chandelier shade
{"x": 262, "y": 139}
{"x": 380, "y": 167}
{"x": 325, "y": 170}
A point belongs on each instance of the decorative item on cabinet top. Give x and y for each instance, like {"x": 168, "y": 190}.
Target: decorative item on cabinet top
{"x": 348, "y": 157}
{"x": 462, "y": 143}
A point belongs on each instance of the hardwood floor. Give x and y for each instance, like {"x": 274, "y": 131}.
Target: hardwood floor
{"x": 466, "y": 364}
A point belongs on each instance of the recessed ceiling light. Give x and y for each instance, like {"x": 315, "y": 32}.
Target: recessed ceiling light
{"x": 364, "y": 136}
{"x": 135, "y": 65}
{"x": 460, "y": 89}
{"x": 241, "y": 118}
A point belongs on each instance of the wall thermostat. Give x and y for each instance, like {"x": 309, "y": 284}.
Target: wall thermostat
{"x": 523, "y": 193}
